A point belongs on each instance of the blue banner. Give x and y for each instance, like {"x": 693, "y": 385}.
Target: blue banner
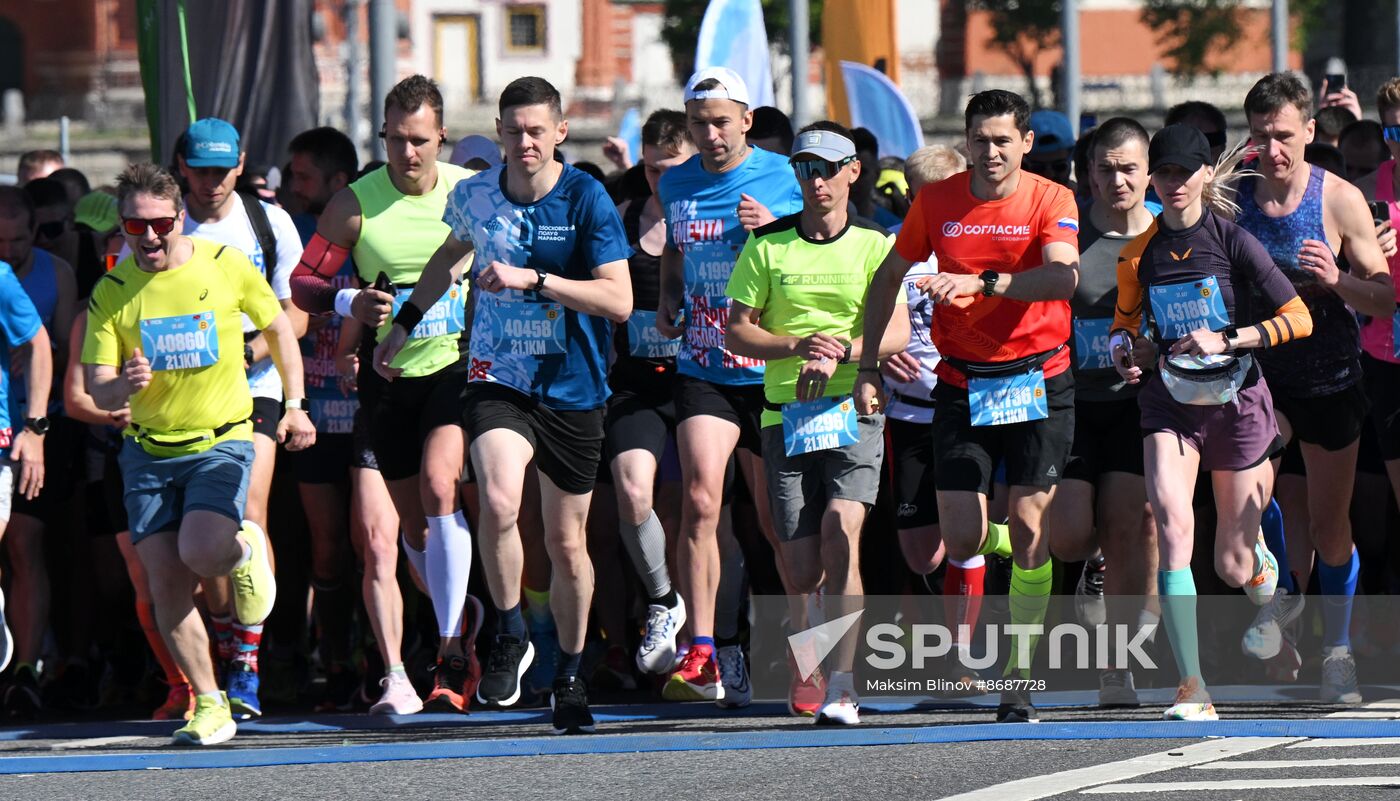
{"x": 732, "y": 35}
{"x": 878, "y": 105}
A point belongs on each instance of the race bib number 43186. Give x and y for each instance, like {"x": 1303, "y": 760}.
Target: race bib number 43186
{"x": 185, "y": 342}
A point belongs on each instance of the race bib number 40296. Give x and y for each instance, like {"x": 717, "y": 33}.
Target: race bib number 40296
{"x": 184, "y": 342}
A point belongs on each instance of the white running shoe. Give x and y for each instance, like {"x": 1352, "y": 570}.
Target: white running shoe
{"x": 842, "y": 704}
{"x": 734, "y": 673}
{"x": 657, "y": 653}
{"x": 1264, "y": 637}
{"x": 399, "y": 697}
{"x": 1339, "y": 677}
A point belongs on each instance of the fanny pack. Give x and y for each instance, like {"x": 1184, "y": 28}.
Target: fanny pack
{"x": 170, "y": 444}
{"x": 1001, "y": 369}
{"x": 1208, "y": 381}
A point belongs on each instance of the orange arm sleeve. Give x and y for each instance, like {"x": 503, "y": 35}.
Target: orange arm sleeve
{"x": 1291, "y": 321}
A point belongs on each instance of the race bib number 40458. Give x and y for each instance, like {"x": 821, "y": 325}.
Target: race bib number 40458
{"x": 530, "y": 329}
{"x": 185, "y": 342}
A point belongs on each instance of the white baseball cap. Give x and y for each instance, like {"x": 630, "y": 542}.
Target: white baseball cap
{"x": 731, "y": 86}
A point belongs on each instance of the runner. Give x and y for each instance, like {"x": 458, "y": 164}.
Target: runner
{"x": 1005, "y": 240}
{"x": 551, "y": 272}
{"x": 1208, "y": 408}
{"x": 640, "y": 427}
{"x": 48, "y": 281}
{"x": 711, "y": 201}
{"x": 798, "y": 295}
{"x": 211, "y": 160}
{"x": 1306, "y": 219}
{"x": 1100, "y": 513}
{"x": 165, "y": 335}
{"x": 390, "y": 220}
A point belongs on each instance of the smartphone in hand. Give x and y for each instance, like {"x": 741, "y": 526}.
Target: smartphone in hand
{"x": 1336, "y": 82}
{"x": 1380, "y": 211}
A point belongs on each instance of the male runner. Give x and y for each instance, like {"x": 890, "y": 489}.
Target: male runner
{"x": 1008, "y": 262}
{"x": 711, "y": 202}
{"x": 1306, "y": 218}
{"x": 390, "y": 221}
{"x": 551, "y": 272}
{"x": 211, "y": 160}
{"x": 798, "y": 299}
{"x": 165, "y": 336}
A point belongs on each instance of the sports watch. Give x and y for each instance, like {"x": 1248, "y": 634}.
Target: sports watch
{"x": 38, "y": 425}
{"x": 989, "y": 282}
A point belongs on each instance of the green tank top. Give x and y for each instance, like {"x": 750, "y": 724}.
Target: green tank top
{"x": 398, "y": 234}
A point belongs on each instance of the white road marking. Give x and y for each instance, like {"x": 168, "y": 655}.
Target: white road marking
{"x": 1385, "y": 708}
{"x": 1347, "y": 742}
{"x": 1080, "y": 778}
{"x": 95, "y": 742}
{"x": 1247, "y": 784}
{"x": 1287, "y": 764}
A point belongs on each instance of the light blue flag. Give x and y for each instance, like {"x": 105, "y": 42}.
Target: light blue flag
{"x": 630, "y": 131}
{"x": 877, "y": 105}
{"x": 732, "y": 35}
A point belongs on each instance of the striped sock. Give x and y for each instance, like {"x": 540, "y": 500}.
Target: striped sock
{"x": 1030, "y": 597}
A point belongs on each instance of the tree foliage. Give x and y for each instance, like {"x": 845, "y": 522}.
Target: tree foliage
{"x": 1023, "y": 29}
{"x": 680, "y": 28}
{"x": 1191, "y": 30}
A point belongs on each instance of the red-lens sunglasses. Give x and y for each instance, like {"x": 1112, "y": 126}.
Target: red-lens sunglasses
{"x": 137, "y": 226}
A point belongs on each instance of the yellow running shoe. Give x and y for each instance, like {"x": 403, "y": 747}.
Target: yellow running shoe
{"x": 254, "y": 586}
{"x": 212, "y": 723}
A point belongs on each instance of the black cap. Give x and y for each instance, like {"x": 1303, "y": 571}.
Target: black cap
{"x": 1180, "y": 145}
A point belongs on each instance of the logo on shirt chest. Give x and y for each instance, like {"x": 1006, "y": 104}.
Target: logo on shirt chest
{"x": 954, "y": 230}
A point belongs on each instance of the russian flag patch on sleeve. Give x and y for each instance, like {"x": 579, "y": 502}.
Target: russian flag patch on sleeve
{"x": 1070, "y": 223}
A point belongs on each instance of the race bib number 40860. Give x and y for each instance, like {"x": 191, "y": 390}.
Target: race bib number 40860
{"x": 185, "y": 342}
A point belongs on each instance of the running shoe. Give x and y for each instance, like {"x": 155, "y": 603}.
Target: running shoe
{"x": 473, "y": 617}
{"x": 342, "y": 689}
{"x": 841, "y": 706}
{"x": 242, "y": 691}
{"x": 1264, "y": 637}
{"x": 657, "y": 653}
{"x": 1339, "y": 677}
{"x": 614, "y": 671}
{"x": 22, "y": 697}
{"x": 1089, "y": 605}
{"x": 399, "y": 697}
{"x": 179, "y": 704}
{"x": 211, "y": 724}
{"x": 449, "y": 677}
{"x": 805, "y": 696}
{"x": 254, "y": 584}
{"x": 7, "y": 640}
{"x": 734, "y": 673}
{"x": 539, "y": 678}
{"x": 1116, "y": 690}
{"x": 505, "y": 667}
{"x": 1263, "y": 585}
{"x": 569, "y": 700}
{"x": 1284, "y": 666}
{"x": 1016, "y": 707}
{"x": 697, "y": 678}
{"x": 1192, "y": 702}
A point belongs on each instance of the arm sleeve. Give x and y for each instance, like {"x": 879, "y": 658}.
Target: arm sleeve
{"x": 1060, "y": 221}
{"x": 1127, "y": 312}
{"x": 914, "y": 242}
{"x": 748, "y": 284}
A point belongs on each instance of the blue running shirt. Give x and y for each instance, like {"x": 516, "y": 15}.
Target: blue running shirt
{"x": 19, "y": 323}
{"x": 522, "y": 340}
{"x": 702, "y": 222}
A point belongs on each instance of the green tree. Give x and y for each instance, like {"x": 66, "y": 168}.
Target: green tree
{"x": 1191, "y": 30}
{"x": 1023, "y": 29}
{"x": 680, "y": 28}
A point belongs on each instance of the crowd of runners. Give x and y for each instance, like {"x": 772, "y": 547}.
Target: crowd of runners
{"x": 596, "y": 411}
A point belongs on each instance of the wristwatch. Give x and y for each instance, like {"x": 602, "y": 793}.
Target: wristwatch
{"x": 248, "y": 354}
{"x": 1232, "y": 339}
{"x": 295, "y": 403}
{"x": 846, "y": 359}
{"x": 539, "y": 285}
{"x": 989, "y": 282}
{"x": 38, "y": 425}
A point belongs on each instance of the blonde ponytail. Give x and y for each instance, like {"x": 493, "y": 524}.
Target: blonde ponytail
{"x": 1219, "y": 192}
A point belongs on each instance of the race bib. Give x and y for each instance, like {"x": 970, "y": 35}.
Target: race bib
{"x": 530, "y": 329}
{"x": 180, "y": 343}
{"x": 1091, "y": 349}
{"x": 819, "y": 425}
{"x": 1188, "y": 306}
{"x": 333, "y": 415}
{"x": 1008, "y": 399}
{"x": 645, "y": 342}
{"x": 447, "y": 316}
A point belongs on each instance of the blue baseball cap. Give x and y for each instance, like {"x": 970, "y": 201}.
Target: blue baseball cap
{"x": 211, "y": 142}
{"x": 1052, "y": 132}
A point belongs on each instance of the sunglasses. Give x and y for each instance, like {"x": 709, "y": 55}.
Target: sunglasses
{"x": 819, "y": 168}
{"x": 1391, "y": 133}
{"x": 137, "y": 226}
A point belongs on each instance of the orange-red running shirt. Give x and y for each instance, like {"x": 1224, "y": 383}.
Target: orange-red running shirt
{"x": 969, "y": 235}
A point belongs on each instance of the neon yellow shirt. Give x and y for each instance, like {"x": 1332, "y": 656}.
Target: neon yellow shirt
{"x": 804, "y": 286}
{"x": 188, "y": 323}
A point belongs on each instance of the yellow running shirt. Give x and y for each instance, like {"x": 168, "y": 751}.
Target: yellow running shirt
{"x": 187, "y": 321}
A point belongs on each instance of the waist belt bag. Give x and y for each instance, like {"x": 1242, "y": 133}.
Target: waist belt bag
{"x": 1206, "y": 381}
